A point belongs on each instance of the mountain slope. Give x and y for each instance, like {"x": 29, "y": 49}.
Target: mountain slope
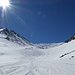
{"x": 13, "y": 36}
{"x": 58, "y": 59}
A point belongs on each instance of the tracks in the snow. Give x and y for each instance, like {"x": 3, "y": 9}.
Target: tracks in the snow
{"x": 41, "y": 68}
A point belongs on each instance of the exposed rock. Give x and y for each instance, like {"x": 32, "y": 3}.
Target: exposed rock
{"x": 70, "y": 39}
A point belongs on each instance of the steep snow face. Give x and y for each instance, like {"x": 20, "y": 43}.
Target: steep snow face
{"x": 13, "y": 36}
{"x": 57, "y": 59}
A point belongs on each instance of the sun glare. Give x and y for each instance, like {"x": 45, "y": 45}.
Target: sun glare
{"x": 8, "y": 11}
{"x": 4, "y": 3}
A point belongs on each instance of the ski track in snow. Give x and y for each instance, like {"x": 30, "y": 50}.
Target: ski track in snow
{"x": 45, "y": 68}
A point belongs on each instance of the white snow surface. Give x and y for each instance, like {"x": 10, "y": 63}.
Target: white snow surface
{"x": 30, "y": 60}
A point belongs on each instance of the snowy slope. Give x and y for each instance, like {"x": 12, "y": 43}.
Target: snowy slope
{"x": 13, "y": 37}
{"x": 47, "y": 45}
{"x": 31, "y": 60}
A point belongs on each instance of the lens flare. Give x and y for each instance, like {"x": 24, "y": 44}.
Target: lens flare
{"x": 4, "y": 3}
{"x": 8, "y": 12}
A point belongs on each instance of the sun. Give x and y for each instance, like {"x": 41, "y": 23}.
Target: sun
{"x": 4, "y": 3}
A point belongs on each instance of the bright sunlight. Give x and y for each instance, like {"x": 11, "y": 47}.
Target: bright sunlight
{"x": 4, "y": 3}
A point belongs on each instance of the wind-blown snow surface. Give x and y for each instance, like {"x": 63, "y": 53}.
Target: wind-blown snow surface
{"x": 30, "y": 60}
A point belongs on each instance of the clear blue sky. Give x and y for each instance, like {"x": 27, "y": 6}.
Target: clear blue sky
{"x": 41, "y": 21}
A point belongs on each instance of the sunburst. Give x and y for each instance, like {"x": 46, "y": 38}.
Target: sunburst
{"x": 4, "y": 3}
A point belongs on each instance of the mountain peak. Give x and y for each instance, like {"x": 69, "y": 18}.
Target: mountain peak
{"x": 11, "y": 35}
{"x": 70, "y": 39}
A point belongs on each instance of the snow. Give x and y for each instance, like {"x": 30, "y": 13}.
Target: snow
{"x": 13, "y": 37}
{"x": 2, "y": 29}
{"x": 47, "y": 45}
{"x": 31, "y": 60}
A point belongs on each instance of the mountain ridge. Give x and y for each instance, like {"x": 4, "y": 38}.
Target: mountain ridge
{"x": 11, "y": 35}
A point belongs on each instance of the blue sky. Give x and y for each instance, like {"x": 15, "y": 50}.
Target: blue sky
{"x": 41, "y": 21}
